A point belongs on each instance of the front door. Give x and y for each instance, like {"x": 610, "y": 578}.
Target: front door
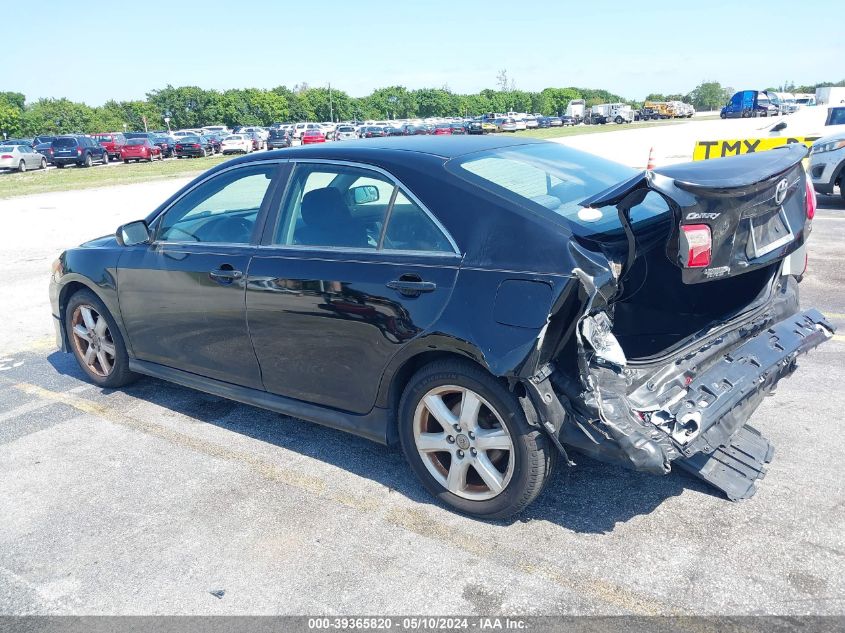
{"x": 354, "y": 270}
{"x": 182, "y": 296}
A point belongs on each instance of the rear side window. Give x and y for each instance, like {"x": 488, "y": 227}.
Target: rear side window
{"x": 551, "y": 178}
{"x": 65, "y": 142}
{"x": 409, "y": 228}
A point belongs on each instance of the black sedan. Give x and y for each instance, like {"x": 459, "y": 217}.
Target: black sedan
{"x": 491, "y": 305}
{"x": 166, "y": 144}
{"x": 193, "y": 147}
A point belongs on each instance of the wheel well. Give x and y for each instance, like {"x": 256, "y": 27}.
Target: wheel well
{"x": 68, "y": 291}
{"x": 403, "y": 376}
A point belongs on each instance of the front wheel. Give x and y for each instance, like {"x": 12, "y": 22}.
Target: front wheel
{"x": 467, "y": 439}
{"x": 96, "y": 341}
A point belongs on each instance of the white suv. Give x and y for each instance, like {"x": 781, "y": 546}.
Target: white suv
{"x": 827, "y": 164}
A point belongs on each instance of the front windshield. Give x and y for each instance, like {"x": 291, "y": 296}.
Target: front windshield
{"x": 549, "y": 177}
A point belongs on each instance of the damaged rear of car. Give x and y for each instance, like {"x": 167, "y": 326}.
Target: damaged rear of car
{"x": 682, "y": 313}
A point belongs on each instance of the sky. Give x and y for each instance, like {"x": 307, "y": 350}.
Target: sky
{"x": 96, "y": 50}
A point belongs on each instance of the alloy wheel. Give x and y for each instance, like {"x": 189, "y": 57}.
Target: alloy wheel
{"x": 463, "y": 442}
{"x": 93, "y": 340}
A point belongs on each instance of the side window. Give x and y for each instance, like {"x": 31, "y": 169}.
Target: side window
{"x": 344, "y": 206}
{"x": 222, "y": 210}
{"x": 409, "y": 228}
{"x": 334, "y": 206}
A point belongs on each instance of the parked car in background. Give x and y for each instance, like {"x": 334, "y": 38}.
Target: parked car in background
{"x": 459, "y": 128}
{"x": 505, "y": 125}
{"x": 314, "y": 135}
{"x": 21, "y": 158}
{"x": 530, "y": 122}
{"x": 475, "y": 127}
{"x": 139, "y": 149}
{"x": 345, "y": 133}
{"x": 372, "y": 131}
{"x": 19, "y": 141}
{"x": 112, "y": 141}
{"x": 442, "y": 129}
{"x": 543, "y": 122}
{"x": 393, "y": 131}
{"x": 827, "y": 163}
{"x": 555, "y": 121}
{"x": 44, "y": 147}
{"x": 257, "y": 141}
{"x": 415, "y": 130}
{"x": 79, "y": 150}
{"x": 193, "y": 147}
{"x": 567, "y": 119}
{"x": 220, "y": 130}
{"x": 166, "y": 144}
{"x": 214, "y": 141}
{"x": 278, "y": 138}
{"x": 236, "y": 144}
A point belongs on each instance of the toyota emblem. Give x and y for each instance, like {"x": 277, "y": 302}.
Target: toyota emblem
{"x": 780, "y": 191}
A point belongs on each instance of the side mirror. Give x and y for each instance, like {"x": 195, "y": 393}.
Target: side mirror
{"x": 133, "y": 233}
{"x": 364, "y": 194}
{"x": 780, "y": 126}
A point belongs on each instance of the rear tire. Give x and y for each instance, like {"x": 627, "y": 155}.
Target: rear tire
{"x": 499, "y": 468}
{"x": 22, "y": 166}
{"x": 105, "y": 159}
{"x": 86, "y": 162}
{"x": 96, "y": 341}
{"x": 43, "y": 163}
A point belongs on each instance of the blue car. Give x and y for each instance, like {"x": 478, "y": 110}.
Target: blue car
{"x": 78, "y": 150}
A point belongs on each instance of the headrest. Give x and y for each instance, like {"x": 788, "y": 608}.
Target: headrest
{"x": 323, "y": 207}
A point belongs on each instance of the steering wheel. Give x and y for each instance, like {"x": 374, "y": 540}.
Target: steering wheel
{"x": 232, "y": 229}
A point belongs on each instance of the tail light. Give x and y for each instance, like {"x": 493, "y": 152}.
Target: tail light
{"x": 697, "y": 243}
{"x": 6, "y": 156}
{"x": 811, "y": 200}
{"x": 78, "y": 150}
{"x": 51, "y": 150}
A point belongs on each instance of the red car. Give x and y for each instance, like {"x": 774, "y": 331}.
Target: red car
{"x": 313, "y": 136}
{"x": 442, "y": 128}
{"x": 140, "y": 149}
{"x": 112, "y": 141}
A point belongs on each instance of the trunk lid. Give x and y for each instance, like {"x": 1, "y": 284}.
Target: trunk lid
{"x": 754, "y": 206}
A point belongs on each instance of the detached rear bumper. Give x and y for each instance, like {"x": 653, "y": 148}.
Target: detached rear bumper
{"x": 720, "y": 400}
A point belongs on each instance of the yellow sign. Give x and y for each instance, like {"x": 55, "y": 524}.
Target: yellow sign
{"x": 734, "y": 147}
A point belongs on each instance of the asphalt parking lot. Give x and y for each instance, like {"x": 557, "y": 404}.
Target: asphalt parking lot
{"x": 156, "y": 499}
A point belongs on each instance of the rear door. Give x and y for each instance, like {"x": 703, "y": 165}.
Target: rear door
{"x": 182, "y": 296}
{"x": 353, "y": 270}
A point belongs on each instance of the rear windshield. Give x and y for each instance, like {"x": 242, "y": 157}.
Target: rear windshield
{"x": 346, "y": 128}
{"x": 135, "y": 141}
{"x": 233, "y": 138}
{"x": 190, "y": 139}
{"x": 551, "y": 178}
{"x": 65, "y": 142}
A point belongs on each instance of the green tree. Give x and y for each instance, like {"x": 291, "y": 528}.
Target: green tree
{"x": 58, "y": 116}
{"x": 708, "y": 95}
{"x": 16, "y": 99}
{"x": 10, "y": 119}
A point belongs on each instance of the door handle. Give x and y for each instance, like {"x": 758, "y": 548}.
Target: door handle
{"x": 411, "y": 285}
{"x": 225, "y": 275}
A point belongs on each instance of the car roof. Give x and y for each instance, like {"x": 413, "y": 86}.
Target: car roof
{"x": 444, "y": 148}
